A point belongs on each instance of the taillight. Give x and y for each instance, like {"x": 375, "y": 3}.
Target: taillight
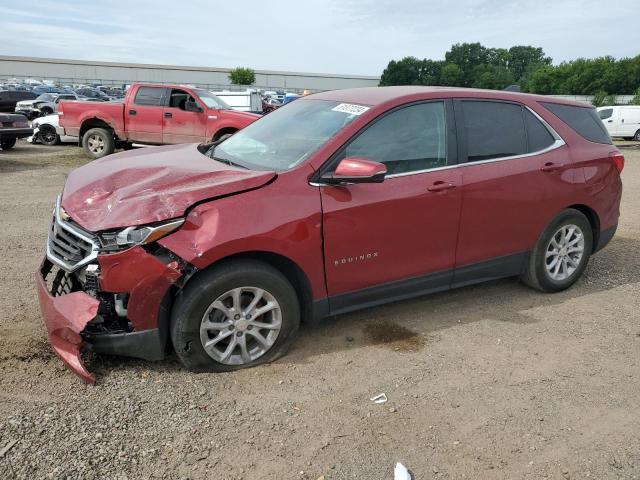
{"x": 60, "y": 109}
{"x": 618, "y": 160}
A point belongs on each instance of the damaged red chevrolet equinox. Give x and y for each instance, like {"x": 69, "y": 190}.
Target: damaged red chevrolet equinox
{"x": 339, "y": 201}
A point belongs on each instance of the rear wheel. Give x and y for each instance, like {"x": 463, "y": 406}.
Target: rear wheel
{"x": 98, "y": 143}
{"x": 7, "y": 143}
{"x": 636, "y": 137}
{"x": 237, "y": 315}
{"x": 561, "y": 253}
{"x": 48, "y": 136}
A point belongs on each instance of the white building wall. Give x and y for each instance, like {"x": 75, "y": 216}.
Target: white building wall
{"x": 81, "y": 71}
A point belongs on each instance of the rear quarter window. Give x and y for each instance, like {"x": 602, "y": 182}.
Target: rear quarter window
{"x": 149, "y": 96}
{"x": 583, "y": 120}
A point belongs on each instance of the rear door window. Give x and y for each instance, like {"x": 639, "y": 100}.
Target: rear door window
{"x": 583, "y": 120}
{"x": 149, "y": 96}
{"x": 493, "y": 130}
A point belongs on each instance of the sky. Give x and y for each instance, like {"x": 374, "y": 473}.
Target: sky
{"x": 326, "y": 36}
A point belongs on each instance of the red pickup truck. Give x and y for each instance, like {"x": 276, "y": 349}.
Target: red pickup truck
{"x": 150, "y": 114}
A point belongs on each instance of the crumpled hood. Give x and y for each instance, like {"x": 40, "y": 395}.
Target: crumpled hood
{"x": 150, "y": 184}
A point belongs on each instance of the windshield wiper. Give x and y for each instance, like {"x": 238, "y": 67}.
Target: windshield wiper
{"x": 211, "y": 154}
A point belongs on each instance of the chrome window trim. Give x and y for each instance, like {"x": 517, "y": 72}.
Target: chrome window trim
{"x": 69, "y": 267}
{"x": 559, "y": 142}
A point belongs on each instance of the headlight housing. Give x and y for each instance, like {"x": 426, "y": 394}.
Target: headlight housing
{"x": 138, "y": 235}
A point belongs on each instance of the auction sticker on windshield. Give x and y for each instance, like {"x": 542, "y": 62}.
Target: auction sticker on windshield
{"x": 350, "y": 108}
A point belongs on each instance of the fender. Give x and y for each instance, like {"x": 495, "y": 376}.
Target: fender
{"x": 212, "y": 231}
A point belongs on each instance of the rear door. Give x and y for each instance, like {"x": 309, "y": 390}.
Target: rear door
{"x": 400, "y": 235}
{"x": 143, "y": 115}
{"x": 181, "y": 126}
{"x": 514, "y": 174}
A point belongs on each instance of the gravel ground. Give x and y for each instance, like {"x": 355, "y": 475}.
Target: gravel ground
{"x": 494, "y": 381}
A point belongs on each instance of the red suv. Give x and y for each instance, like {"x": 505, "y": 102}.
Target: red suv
{"x": 338, "y": 201}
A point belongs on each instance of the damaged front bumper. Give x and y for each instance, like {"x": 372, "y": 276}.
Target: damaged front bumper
{"x": 65, "y": 318}
{"x": 80, "y": 313}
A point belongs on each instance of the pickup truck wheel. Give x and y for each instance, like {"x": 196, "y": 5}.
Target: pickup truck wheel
{"x": 98, "y": 143}
{"x": 48, "y": 136}
{"x": 8, "y": 143}
{"x": 561, "y": 253}
{"x": 636, "y": 137}
{"x": 237, "y": 315}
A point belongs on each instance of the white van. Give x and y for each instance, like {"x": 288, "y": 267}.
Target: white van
{"x": 622, "y": 121}
{"x": 247, "y": 101}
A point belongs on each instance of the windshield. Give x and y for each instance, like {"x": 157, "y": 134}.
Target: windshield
{"x": 287, "y": 136}
{"x": 210, "y": 100}
{"x": 46, "y": 97}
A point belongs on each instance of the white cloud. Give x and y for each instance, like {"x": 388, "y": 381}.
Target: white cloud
{"x": 333, "y": 36}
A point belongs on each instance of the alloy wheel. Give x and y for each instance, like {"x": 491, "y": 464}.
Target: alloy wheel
{"x": 240, "y": 325}
{"x": 564, "y": 252}
{"x": 96, "y": 144}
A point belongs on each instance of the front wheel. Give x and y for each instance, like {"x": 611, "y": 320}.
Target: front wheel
{"x": 8, "y": 143}
{"x": 636, "y": 137}
{"x": 561, "y": 253}
{"x": 236, "y": 315}
{"x": 98, "y": 143}
{"x": 48, "y": 136}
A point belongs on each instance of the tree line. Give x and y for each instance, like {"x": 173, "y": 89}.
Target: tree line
{"x": 477, "y": 66}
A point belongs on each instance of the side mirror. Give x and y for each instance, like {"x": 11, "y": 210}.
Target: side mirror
{"x": 356, "y": 170}
{"x": 192, "y": 107}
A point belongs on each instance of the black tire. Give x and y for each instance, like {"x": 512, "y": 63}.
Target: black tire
{"x": 536, "y": 274}
{"x": 47, "y": 135}
{"x": 636, "y": 137}
{"x": 8, "y": 143}
{"x": 46, "y": 111}
{"x": 209, "y": 285}
{"x": 98, "y": 143}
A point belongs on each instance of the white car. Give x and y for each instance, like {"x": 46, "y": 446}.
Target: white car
{"x": 44, "y": 131}
{"x": 621, "y": 121}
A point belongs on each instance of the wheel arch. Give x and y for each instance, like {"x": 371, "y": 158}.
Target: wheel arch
{"x": 594, "y": 220}
{"x": 223, "y": 131}
{"x": 95, "y": 122}
{"x": 290, "y": 269}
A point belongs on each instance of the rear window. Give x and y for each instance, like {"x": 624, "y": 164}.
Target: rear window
{"x": 149, "y": 96}
{"x": 583, "y": 120}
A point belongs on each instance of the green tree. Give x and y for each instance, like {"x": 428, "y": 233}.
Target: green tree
{"x": 242, "y": 76}
{"x": 599, "y": 99}
{"x": 467, "y": 56}
{"x": 523, "y": 59}
{"x": 636, "y": 98}
{"x": 403, "y": 72}
{"x": 451, "y": 75}
{"x": 492, "y": 77}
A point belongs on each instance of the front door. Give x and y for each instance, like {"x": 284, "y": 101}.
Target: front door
{"x": 396, "y": 238}
{"x": 180, "y": 125}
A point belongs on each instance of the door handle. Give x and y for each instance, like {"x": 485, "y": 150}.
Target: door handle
{"x": 132, "y": 112}
{"x": 167, "y": 115}
{"x": 440, "y": 186}
{"x": 609, "y": 121}
{"x": 551, "y": 167}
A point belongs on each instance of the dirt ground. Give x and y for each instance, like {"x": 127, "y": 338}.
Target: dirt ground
{"x": 494, "y": 381}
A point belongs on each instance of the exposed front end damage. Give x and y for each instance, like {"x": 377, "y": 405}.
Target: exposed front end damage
{"x": 111, "y": 302}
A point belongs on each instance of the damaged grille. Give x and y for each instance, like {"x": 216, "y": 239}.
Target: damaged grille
{"x": 68, "y": 246}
